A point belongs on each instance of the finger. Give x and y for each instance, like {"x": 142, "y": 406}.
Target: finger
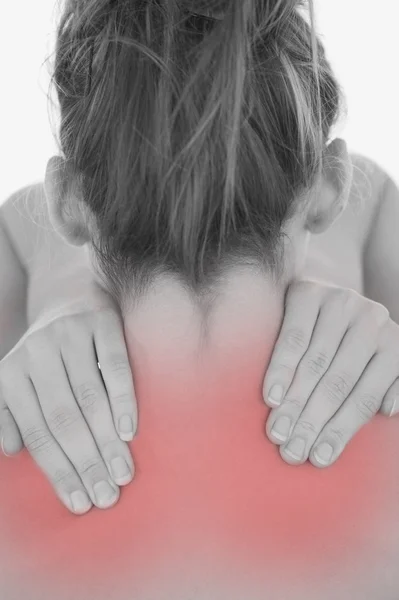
{"x": 40, "y": 443}
{"x": 112, "y": 355}
{"x": 11, "y": 441}
{"x": 91, "y": 397}
{"x": 302, "y": 307}
{"x": 67, "y": 424}
{"x": 10, "y": 438}
{"x": 360, "y": 407}
{"x": 390, "y": 404}
{"x": 331, "y": 327}
{"x": 352, "y": 358}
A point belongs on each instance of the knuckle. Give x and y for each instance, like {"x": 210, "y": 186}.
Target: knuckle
{"x": 121, "y": 399}
{"x": 91, "y": 468}
{"x": 368, "y": 406}
{"x": 336, "y": 434}
{"x": 37, "y": 440}
{"x": 36, "y": 347}
{"x": 282, "y": 366}
{"x": 87, "y": 396}
{"x": 33, "y": 343}
{"x": 62, "y": 419}
{"x": 59, "y": 326}
{"x": 308, "y": 427}
{"x": 295, "y": 339}
{"x": 380, "y": 313}
{"x": 119, "y": 365}
{"x": 66, "y": 329}
{"x": 345, "y": 297}
{"x": 62, "y": 478}
{"x": 301, "y": 287}
{"x": 293, "y": 404}
{"x": 343, "y": 294}
{"x": 317, "y": 364}
{"x": 337, "y": 387}
{"x": 111, "y": 446}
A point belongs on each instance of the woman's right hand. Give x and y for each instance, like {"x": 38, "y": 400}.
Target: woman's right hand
{"x": 73, "y": 419}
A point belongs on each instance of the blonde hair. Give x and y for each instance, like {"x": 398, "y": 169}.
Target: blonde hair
{"x": 193, "y": 137}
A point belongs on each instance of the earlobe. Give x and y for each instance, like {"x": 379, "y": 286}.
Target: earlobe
{"x": 332, "y": 194}
{"x": 63, "y": 203}
{"x": 326, "y": 208}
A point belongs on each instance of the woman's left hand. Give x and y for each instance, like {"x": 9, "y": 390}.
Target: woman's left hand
{"x": 336, "y": 361}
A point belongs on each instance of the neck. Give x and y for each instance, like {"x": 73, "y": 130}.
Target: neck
{"x": 169, "y": 337}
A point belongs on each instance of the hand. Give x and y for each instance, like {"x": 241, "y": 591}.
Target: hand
{"x": 73, "y": 419}
{"x": 336, "y": 362}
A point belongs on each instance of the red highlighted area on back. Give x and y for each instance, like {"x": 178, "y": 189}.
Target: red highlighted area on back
{"x": 212, "y": 506}
{"x": 211, "y": 495}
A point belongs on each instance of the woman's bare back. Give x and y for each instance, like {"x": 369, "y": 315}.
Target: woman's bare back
{"x": 214, "y": 513}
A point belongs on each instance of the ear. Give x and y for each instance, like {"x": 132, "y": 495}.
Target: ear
{"x": 66, "y": 209}
{"x": 331, "y": 195}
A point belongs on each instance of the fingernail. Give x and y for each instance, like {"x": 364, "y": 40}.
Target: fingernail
{"x": 323, "y": 453}
{"x": 296, "y": 448}
{"x": 281, "y": 428}
{"x": 2, "y": 448}
{"x": 392, "y": 411}
{"x": 126, "y": 428}
{"x": 276, "y": 395}
{"x": 120, "y": 471}
{"x": 105, "y": 494}
{"x": 80, "y": 502}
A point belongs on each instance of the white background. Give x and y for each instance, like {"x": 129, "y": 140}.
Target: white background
{"x": 361, "y": 37}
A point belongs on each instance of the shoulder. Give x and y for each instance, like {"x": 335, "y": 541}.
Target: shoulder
{"x": 368, "y": 185}
{"x": 381, "y": 249}
{"x": 25, "y": 215}
{"x": 369, "y": 178}
{"x": 28, "y": 201}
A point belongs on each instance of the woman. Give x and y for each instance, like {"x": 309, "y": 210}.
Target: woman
{"x": 200, "y": 274}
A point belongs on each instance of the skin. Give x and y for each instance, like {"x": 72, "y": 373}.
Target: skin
{"x": 333, "y": 380}
{"x": 198, "y": 455}
{"x": 323, "y": 205}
